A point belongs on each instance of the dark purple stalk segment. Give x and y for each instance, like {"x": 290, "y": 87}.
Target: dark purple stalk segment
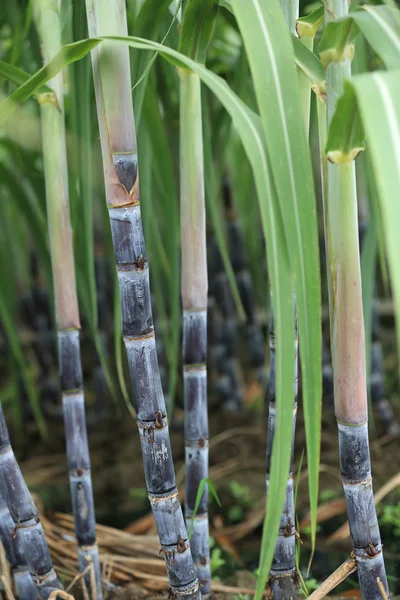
{"x": 140, "y": 343}
{"x": 355, "y": 467}
{"x": 229, "y": 384}
{"x": 283, "y": 579}
{"x": 12, "y": 543}
{"x": 238, "y": 256}
{"x": 111, "y": 73}
{"x": 25, "y": 517}
{"x": 78, "y": 453}
{"x": 196, "y": 439}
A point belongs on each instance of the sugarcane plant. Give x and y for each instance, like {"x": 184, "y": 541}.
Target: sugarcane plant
{"x": 26, "y": 539}
{"x": 283, "y": 575}
{"x": 228, "y": 385}
{"x": 121, "y": 177}
{"x": 347, "y": 324}
{"x": 237, "y": 252}
{"x": 275, "y": 143}
{"x": 47, "y": 15}
{"x": 194, "y": 284}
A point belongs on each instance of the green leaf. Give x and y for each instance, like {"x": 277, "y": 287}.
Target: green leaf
{"x": 18, "y": 76}
{"x": 311, "y": 66}
{"x": 337, "y": 44}
{"x": 305, "y": 59}
{"x": 377, "y": 98}
{"x": 203, "y": 483}
{"x": 308, "y": 26}
{"x": 67, "y": 55}
{"x": 381, "y": 27}
{"x": 275, "y": 80}
{"x": 31, "y": 212}
{"x": 346, "y": 134}
{"x": 167, "y": 211}
{"x": 8, "y": 304}
{"x": 197, "y": 28}
{"x": 147, "y": 25}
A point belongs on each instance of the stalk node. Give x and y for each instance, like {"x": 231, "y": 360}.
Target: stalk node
{"x": 181, "y": 546}
{"x": 126, "y": 166}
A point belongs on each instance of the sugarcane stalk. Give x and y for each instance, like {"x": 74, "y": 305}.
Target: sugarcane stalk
{"x": 379, "y": 400}
{"x": 283, "y": 579}
{"x": 376, "y": 381}
{"x": 112, "y": 80}
{"x": 30, "y": 539}
{"x": 12, "y": 544}
{"x": 194, "y": 288}
{"x": 245, "y": 286}
{"x": 66, "y": 300}
{"x": 348, "y": 345}
{"x": 229, "y": 385}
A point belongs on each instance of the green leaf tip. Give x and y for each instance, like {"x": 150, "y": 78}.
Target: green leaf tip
{"x": 199, "y": 496}
{"x": 308, "y": 26}
{"x": 346, "y": 134}
{"x": 336, "y": 44}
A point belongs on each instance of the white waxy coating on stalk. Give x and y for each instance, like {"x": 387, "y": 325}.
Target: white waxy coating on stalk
{"x": 194, "y": 282}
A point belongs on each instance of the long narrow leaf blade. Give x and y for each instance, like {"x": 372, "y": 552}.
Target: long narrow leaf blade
{"x": 275, "y": 80}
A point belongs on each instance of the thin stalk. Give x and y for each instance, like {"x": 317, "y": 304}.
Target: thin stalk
{"x": 244, "y": 282}
{"x": 374, "y": 353}
{"x": 379, "y": 400}
{"x": 229, "y": 383}
{"x": 12, "y": 543}
{"x": 120, "y": 163}
{"x": 27, "y": 525}
{"x": 194, "y": 289}
{"x": 348, "y": 347}
{"x": 66, "y": 300}
{"x": 283, "y": 579}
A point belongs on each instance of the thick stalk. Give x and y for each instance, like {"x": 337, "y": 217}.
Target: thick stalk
{"x": 66, "y": 300}
{"x": 283, "y": 579}
{"x": 27, "y": 525}
{"x": 118, "y": 141}
{"x": 348, "y": 348}
{"x": 194, "y": 289}
{"x": 12, "y": 543}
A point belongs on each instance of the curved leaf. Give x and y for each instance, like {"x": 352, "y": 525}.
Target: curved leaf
{"x": 275, "y": 80}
